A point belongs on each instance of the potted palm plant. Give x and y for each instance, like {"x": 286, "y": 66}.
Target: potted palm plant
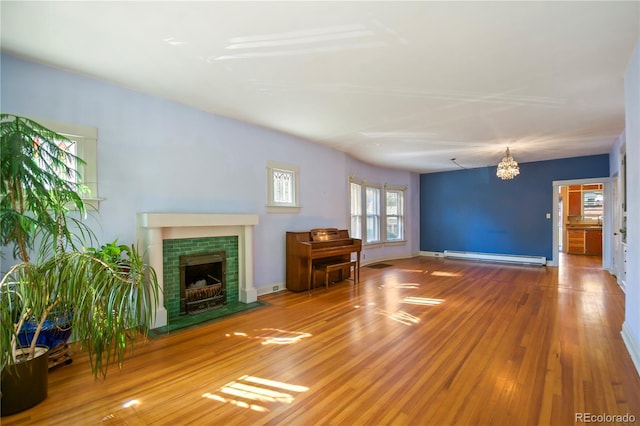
{"x": 53, "y": 274}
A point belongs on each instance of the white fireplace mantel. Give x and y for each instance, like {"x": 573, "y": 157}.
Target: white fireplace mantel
{"x": 153, "y": 228}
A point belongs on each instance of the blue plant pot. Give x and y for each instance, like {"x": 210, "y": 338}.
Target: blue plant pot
{"x": 54, "y": 332}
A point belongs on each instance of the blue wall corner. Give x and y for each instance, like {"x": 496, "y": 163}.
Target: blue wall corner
{"x": 473, "y": 210}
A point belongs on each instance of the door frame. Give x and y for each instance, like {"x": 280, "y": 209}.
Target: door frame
{"x": 607, "y": 219}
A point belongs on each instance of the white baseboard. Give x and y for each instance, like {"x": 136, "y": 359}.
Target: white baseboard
{"x": 272, "y": 288}
{"x": 493, "y": 257}
{"x": 632, "y": 346}
{"x": 432, "y": 253}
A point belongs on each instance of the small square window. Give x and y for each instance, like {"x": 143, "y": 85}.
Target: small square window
{"x": 282, "y": 188}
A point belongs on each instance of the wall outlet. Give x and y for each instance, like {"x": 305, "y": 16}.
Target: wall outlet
{"x": 276, "y": 287}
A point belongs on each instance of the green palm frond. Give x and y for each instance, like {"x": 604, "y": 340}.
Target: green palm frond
{"x": 109, "y": 307}
{"x": 37, "y": 182}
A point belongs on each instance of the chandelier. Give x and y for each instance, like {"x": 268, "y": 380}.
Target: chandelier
{"x": 508, "y": 168}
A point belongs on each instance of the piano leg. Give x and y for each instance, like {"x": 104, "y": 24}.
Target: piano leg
{"x": 310, "y": 282}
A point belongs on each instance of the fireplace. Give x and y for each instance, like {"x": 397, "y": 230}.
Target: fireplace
{"x": 155, "y": 229}
{"x": 203, "y": 279}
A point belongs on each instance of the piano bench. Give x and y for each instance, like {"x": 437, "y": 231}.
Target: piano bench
{"x": 327, "y": 268}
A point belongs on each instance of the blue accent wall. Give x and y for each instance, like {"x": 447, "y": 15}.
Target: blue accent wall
{"x": 473, "y": 210}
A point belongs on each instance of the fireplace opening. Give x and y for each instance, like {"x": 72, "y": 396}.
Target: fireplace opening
{"x": 202, "y": 282}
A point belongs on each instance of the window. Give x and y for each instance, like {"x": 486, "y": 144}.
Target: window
{"x": 394, "y": 214}
{"x": 356, "y": 209}
{"x": 372, "y": 199}
{"x": 377, "y": 216}
{"x": 282, "y": 188}
{"x": 84, "y": 141}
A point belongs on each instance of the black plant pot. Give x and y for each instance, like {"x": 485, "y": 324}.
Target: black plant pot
{"x": 25, "y": 384}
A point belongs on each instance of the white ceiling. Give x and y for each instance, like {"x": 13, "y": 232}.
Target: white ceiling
{"x": 407, "y": 85}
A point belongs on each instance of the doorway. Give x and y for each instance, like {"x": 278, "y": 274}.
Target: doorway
{"x": 582, "y": 219}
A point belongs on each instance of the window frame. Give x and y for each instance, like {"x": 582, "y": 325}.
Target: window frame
{"x": 402, "y": 190}
{"x": 274, "y": 206}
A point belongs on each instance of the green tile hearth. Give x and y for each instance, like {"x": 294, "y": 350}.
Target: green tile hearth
{"x": 185, "y": 322}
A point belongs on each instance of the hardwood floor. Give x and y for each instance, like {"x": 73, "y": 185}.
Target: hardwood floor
{"x": 426, "y": 341}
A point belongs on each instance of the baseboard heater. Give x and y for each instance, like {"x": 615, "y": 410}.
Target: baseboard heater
{"x": 490, "y": 257}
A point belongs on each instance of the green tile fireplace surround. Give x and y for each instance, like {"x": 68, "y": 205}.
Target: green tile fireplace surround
{"x": 172, "y": 249}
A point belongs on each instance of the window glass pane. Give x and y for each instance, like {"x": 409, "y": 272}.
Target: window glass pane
{"x": 356, "y": 210}
{"x": 356, "y": 226}
{"x": 282, "y": 186}
{"x": 68, "y": 146}
{"x": 373, "y": 214}
{"x": 592, "y": 205}
{"x": 373, "y": 201}
{"x": 392, "y": 203}
{"x": 356, "y": 199}
{"x": 395, "y": 215}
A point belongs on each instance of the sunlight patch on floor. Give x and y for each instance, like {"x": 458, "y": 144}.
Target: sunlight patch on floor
{"x": 131, "y": 403}
{"x": 255, "y": 393}
{"x": 123, "y": 416}
{"x": 445, "y": 274}
{"x": 401, "y": 285}
{"x": 422, "y": 301}
{"x": 400, "y": 316}
{"x": 273, "y": 336}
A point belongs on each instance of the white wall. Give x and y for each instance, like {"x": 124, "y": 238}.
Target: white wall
{"x": 631, "y": 326}
{"x": 156, "y": 155}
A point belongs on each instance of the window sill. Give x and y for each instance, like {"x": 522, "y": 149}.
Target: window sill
{"x": 377, "y": 244}
{"x": 374, "y": 244}
{"x": 92, "y": 203}
{"x": 283, "y": 209}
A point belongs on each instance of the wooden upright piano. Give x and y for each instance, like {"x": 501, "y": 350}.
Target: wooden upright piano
{"x": 304, "y": 249}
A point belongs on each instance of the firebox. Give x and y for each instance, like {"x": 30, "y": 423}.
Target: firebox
{"x": 202, "y": 282}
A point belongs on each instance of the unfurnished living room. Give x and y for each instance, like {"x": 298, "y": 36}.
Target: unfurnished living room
{"x": 307, "y": 213}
